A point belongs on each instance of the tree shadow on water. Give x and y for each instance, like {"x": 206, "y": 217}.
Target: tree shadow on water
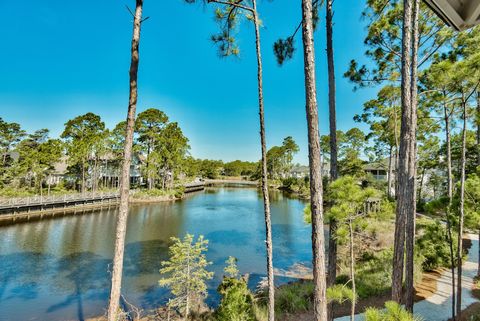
{"x": 23, "y": 270}
{"x": 144, "y": 257}
{"x": 85, "y": 276}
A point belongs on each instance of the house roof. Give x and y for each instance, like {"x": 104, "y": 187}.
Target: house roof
{"x": 459, "y": 14}
{"x": 377, "y": 165}
{"x": 300, "y": 169}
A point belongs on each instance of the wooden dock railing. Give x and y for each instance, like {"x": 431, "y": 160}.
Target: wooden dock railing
{"x": 55, "y": 200}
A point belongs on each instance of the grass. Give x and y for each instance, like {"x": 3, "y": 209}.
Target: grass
{"x": 291, "y": 298}
{"x": 153, "y": 193}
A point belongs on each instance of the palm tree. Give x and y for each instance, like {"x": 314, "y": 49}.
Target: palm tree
{"x": 121, "y": 229}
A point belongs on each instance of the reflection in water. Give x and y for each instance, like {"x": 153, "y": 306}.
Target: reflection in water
{"x": 58, "y": 269}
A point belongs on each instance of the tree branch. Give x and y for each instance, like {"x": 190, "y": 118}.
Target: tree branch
{"x": 234, "y": 4}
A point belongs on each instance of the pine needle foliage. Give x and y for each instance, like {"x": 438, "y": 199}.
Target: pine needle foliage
{"x": 393, "y": 312}
{"x": 186, "y": 272}
{"x": 237, "y": 302}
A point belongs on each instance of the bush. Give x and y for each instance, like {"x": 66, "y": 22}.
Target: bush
{"x": 436, "y": 207}
{"x": 294, "y": 297}
{"x": 146, "y": 193}
{"x": 374, "y": 273}
{"x": 237, "y": 301}
{"x": 393, "y": 311}
{"x": 433, "y": 245}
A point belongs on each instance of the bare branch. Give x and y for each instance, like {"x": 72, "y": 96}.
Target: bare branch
{"x": 234, "y": 4}
{"x": 130, "y": 10}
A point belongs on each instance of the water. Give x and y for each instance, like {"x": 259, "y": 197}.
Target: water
{"x": 58, "y": 269}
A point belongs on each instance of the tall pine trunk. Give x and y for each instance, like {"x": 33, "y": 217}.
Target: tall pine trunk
{"x": 478, "y": 160}
{"x": 450, "y": 196}
{"x": 332, "y": 242}
{"x": 478, "y": 129}
{"x": 403, "y": 161}
{"x": 462, "y": 210}
{"x": 83, "y": 178}
{"x": 390, "y": 172}
{"x": 412, "y": 167}
{"x": 352, "y": 271}
{"x": 113, "y": 307}
{"x": 316, "y": 188}
{"x": 266, "y": 198}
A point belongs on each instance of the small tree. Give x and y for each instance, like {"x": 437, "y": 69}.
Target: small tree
{"x": 348, "y": 211}
{"x": 186, "y": 272}
{"x": 237, "y": 300}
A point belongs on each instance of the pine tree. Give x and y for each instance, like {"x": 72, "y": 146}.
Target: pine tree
{"x": 348, "y": 211}
{"x": 186, "y": 273}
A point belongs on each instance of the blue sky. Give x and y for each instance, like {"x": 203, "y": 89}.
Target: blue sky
{"x": 61, "y": 59}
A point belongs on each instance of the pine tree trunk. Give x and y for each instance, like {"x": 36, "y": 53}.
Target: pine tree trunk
{"x": 478, "y": 128}
{"x": 266, "y": 198}
{"x": 390, "y": 172}
{"x": 403, "y": 161}
{"x": 450, "y": 196}
{"x": 332, "y": 242}
{"x": 125, "y": 182}
{"x": 478, "y": 269}
{"x": 420, "y": 187}
{"x": 83, "y": 178}
{"x": 352, "y": 272}
{"x": 462, "y": 211}
{"x": 397, "y": 151}
{"x": 412, "y": 168}
{"x": 314, "y": 152}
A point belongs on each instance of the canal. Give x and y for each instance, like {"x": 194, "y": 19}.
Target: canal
{"x": 58, "y": 268}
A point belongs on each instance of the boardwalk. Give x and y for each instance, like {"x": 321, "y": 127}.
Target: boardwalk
{"x": 40, "y": 203}
{"x": 11, "y": 207}
{"x": 230, "y": 182}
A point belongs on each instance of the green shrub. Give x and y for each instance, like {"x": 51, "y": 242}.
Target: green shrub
{"x": 237, "y": 301}
{"x": 294, "y": 297}
{"x": 433, "y": 245}
{"x": 393, "y": 311}
{"x": 436, "y": 207}
{"x": 339, "y": 293}
{"x": 374, "y": 273}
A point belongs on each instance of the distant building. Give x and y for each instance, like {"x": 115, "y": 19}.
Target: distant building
{"x": 302, "y": 171}
{"x": 378, "y": 169}
{"x": 108, "y": 167}
{"x": 299, "y": 171}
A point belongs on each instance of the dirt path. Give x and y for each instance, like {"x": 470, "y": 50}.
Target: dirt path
{"x": 438, "y": 306}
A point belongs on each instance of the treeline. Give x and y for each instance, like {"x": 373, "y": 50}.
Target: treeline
{"x": 87, "y": 156}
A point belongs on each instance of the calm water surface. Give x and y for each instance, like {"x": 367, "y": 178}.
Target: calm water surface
{"x": 57, "y": 269}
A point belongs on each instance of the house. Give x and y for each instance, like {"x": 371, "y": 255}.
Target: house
{"x": 299, "y": 171}
{"x": 108, "y": 171}
{"x": 378, "y": 169}
{"x": 302, "y": 171}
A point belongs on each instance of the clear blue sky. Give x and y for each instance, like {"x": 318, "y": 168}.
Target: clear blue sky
{"x": 61, "y": 59}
